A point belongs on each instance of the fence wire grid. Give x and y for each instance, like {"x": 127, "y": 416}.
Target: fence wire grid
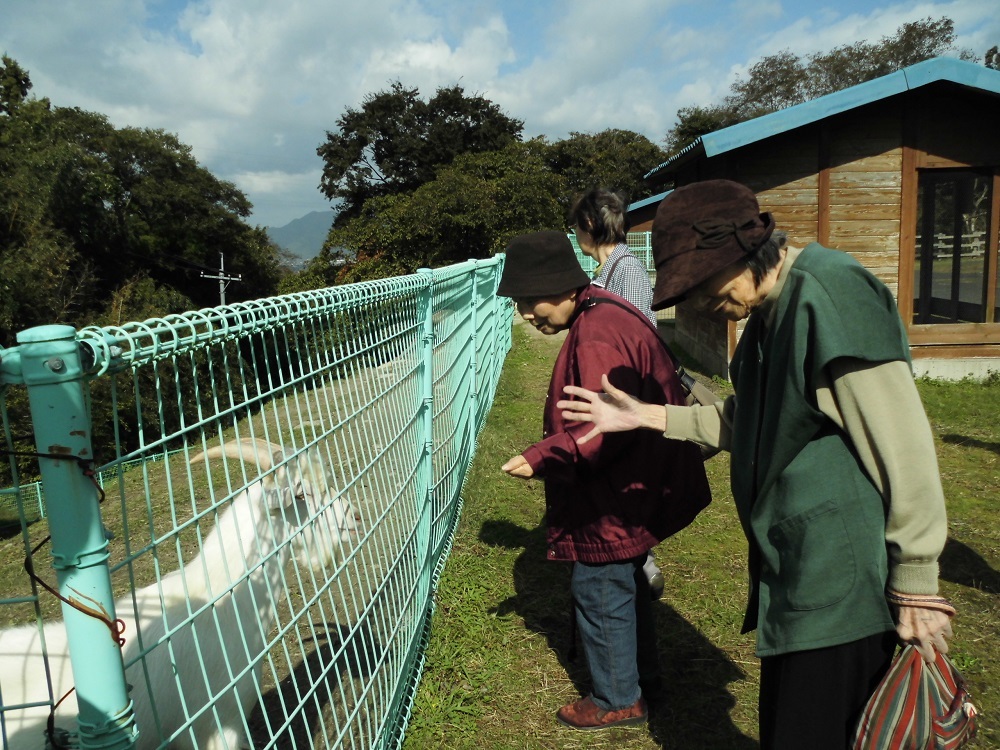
{"x": 249, "y": 559}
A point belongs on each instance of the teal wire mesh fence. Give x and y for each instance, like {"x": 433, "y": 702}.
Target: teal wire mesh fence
{"x": 638, "y": 243}
{"x": 279, "y": 484}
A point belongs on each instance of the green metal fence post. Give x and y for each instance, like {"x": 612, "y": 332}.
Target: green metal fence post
{"x": 501, "y": 322}
{"x": 473, "y": 405}
{"x": 425, "y": 484}
{"x": 53, "y": 373}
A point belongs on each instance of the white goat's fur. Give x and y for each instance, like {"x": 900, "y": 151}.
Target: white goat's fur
{"x": 240, "y": 568}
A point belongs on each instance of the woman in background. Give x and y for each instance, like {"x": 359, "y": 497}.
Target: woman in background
{"x": 598, "y": 219}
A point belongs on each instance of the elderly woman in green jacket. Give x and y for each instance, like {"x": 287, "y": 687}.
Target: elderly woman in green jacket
{"x": 833, "y": 467}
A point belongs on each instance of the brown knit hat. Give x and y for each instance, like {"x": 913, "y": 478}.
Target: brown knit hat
{"x": 541, "y": 264}
{"x": 700, "y": 229}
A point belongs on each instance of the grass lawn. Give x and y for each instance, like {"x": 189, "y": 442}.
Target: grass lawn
{"x": 497, "y": 664}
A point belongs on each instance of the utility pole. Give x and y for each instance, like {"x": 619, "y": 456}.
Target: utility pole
{"x": 223, "y": 279}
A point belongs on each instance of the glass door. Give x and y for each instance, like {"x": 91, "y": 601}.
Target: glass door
{"x": 950, "y": 272}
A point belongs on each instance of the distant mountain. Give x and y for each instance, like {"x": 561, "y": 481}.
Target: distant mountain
{"x": 304, "y": 236}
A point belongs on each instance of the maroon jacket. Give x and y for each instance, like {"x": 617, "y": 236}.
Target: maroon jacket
{"x": 620, "y": 494}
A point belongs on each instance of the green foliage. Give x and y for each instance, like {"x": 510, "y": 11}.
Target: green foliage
{"x": 140, "y": 298}
{"x": 429, "y": 183}
{"x": 613, "y": 158}
{"x": 779, "y": 81}
{"x": 103, "y": 226}
{"x": 470, "y": 210}
{"x": 302, "y": 281}
{"x": 397, "y": 141}
{"x": 14, "y": 85}
{"x": 86, "y": 208}
{"x": 784, "y": 79}
{"x": 694, "y": 122}
{"x": 992, "y": 58}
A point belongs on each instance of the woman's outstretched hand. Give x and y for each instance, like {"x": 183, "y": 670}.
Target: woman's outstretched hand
{"x": 611, "y": 411}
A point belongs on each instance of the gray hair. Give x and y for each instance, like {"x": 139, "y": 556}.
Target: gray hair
{"x": 601, "y": 214}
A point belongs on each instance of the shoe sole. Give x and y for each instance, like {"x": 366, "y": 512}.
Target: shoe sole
{"x": 633, "y": 722}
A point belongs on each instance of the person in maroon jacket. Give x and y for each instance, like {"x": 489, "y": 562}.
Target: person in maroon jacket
{"x": 609, "y": 500}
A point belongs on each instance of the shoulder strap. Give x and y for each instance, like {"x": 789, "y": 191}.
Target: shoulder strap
{"x": 611, "y": 271}
{"x": 594, "y": 301}
{"x": 696, "y": 392}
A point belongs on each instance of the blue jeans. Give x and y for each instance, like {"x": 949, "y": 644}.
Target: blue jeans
{"x": 614, "y": 618}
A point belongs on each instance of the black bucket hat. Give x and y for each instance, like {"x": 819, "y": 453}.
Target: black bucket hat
{"x": 541, "y": 264}
{"x": 700, "y": 229}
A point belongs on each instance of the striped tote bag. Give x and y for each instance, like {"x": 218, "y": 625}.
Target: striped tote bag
{"x": 918, "y": 706}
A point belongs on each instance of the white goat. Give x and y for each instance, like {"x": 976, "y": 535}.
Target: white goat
{"x": 215, "y": 613}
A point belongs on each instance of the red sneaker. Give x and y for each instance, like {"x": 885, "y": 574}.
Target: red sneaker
{"x": 587, "y": 715}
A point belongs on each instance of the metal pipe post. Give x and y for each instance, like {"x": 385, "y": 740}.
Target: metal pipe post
{"x": 425, "y": 485}
{"x": 53, "y": 374}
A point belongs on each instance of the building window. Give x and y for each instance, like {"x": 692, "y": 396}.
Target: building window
{"x": 951, "y": 273}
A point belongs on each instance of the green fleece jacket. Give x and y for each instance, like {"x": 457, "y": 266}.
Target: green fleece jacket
{"x": 834, "y": 471}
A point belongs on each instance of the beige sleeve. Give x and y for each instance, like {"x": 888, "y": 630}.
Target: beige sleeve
{"x": 709, "y": 426}
{"x": 879, "y": 408}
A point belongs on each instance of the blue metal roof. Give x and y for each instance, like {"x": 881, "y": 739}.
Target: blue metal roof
{"x": 923, "y": 73}
{"x": 647, "y": 201}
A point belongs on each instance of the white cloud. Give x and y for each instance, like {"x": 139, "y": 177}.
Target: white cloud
{"x": 279, "y": 196}
{"x": 253, "y": 85}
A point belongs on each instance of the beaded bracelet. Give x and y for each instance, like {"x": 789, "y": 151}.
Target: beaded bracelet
{"x": 927, "y": 602}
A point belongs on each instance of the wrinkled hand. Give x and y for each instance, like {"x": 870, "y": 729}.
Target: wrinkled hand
{"x": 519, "y": 467}
{"x": 926, "y": 629}
{"x": 611, "y": 411}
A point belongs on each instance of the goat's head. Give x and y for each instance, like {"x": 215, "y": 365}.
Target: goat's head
{"x": 300, "y": 493}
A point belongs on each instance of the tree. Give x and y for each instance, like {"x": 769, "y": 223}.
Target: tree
{"x": 612, "y": 158}
{"x": 694, "y": 122}
{"x": 101, "y": 226}
{"x": 776, "y": 82}
{"x": 992, "y": 58}
{"x": 438, "y": 182}
{"x": 471, "y": 209}
{"x": 396, "y": 142}
{"x": 36, "y": 256}
{"x": 14, "y": 85}
{"x": 784, "y": 79}
{"x": 86, "y": 208}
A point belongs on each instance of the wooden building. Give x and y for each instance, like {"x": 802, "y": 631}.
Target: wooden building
{"x": 641, "y": 213}
{"x": 903, "y": 172}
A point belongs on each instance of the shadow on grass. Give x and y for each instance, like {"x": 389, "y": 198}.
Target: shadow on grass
{"x": 968, "y": 442}
{"x": 9, "y": 529}
{"x": 315, "y": 715}
{"x": 963, "y": 565}
{"x": 693, "y": 711}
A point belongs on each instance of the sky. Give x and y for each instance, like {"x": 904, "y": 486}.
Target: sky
{"x": 253, "y": 86}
